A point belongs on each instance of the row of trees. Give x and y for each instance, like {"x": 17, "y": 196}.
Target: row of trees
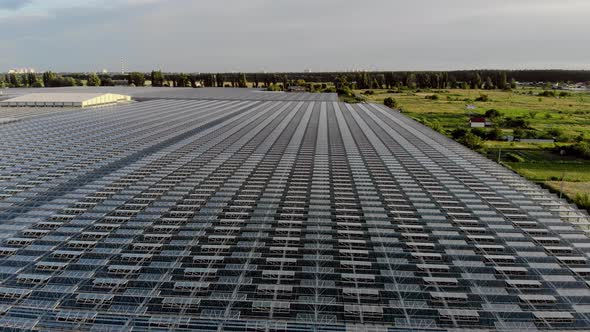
{"x": 51, "y": 80}
{"x": 486, "y": 79}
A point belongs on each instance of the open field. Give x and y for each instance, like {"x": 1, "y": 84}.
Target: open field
{"x": 571, "y": 113}
{"x": 545, "y": 171}
{"x": 567, "y": 115}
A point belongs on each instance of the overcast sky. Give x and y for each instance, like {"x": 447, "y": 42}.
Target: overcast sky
{"x": 288, "y": 35}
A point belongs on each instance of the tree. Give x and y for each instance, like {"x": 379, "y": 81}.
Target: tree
{"x": 157, "y": 78}
{"x": 106, "y": 80}
{"x": 31, "y": 79}
{"x": 489, "y": 83}
{"x": 93, "y": 80}
{"x": 503, "y": 81}
{"x": 220, "y": 78}
{"x": 512, "y": 83}
{"x": 49, "y": 78}
{"x": 14, "y": 80}
{"x": 209, "y": 80}
{"x": 136, "y": 78}
{"x": 477, "y": 81}
{"x": 182, "y": 80}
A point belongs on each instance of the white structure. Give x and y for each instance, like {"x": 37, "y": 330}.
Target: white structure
{"x": 64, "y": 100}
{"x": 22, "y": 71}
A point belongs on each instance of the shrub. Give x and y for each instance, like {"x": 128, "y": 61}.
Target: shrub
{"x": 390, "y": 102}
{"x": 481, "y": 132}
{"x": 472, "y": 141}
{"x": 482, "y": 98}
{"x": 436, "y": 126}
{"x": 580, "y": 149}
{"x": 493, "y": 114}
{"x": 458, "y": 133}
{"x": 495, "y": 134}
{"x": 516, "y": 123}
{"x": 432, "y": 97}
{"x": 582, "y": 200}
{"x": 547, "y": 94}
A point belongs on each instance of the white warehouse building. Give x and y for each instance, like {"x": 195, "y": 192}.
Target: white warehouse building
{"x": 64, "y": 100}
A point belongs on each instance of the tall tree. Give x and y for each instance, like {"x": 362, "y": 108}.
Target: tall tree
{"x": 242, "y": 82}
{"x": 14, "y": 80}
{"x": 136, "y": 78}
{"x": 183, "y": 80}
{"x": 220, "y": 78}
{"x": 489, "y": 83}
{"x": 93, "y": 80}
{"x": 157, "y": 78}
{"x": 49, "y": 78}
{"x": 503, "y": 84}
{"x": 477, "y": 81}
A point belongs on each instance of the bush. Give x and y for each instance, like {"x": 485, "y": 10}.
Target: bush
{"x": 436, "y": 126}
{"x": 344, "y": 91}
{"x": 547, "y": 94}
{"x": 495, "y": 134}
{"x": 516, "y": 123}
{"x": 564, "y": 94}
{"x": 459, "y": 133}
{"x": 580, "y": 149}
{"x": 482, "y": 98}
{"x": 582, "y": 200}
{"x": 481, "y": 132}
{"x": 432, "y": 97}
{"x": 390, "y": 102}
{"x": 493, "y": 114}
{"x": 472, "y": 141}
{"x": 369, "y": 92}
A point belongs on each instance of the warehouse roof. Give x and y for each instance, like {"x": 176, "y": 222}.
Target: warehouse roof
{"x": 64, "y": 99}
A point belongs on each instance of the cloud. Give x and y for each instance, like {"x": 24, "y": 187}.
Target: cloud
{"x": 14, "y": 4}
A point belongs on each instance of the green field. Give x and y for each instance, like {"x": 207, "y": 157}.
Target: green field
{"x": 568, "y": 116}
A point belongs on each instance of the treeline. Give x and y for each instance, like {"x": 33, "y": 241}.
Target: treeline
{"x": 480, "y": 79}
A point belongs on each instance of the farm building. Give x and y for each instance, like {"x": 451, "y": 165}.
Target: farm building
{"x": 479, "y": 122}
{"x": 64, "y": 100}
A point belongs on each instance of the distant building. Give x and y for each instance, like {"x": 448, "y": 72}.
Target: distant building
{"x": 479, "y": 122}
{"x": 64, "y": 100}
{"x": 296, "y": 88}
{"x": 535, "y": 140}
{"x": 22, "y": 71}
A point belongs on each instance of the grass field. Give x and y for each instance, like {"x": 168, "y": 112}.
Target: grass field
{"x": 569, "y": 115}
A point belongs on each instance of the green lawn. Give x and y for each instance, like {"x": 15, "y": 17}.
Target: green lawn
{"x": 547, "y": 171}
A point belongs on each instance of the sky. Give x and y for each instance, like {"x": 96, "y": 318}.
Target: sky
{"x": 288, "y": 35}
